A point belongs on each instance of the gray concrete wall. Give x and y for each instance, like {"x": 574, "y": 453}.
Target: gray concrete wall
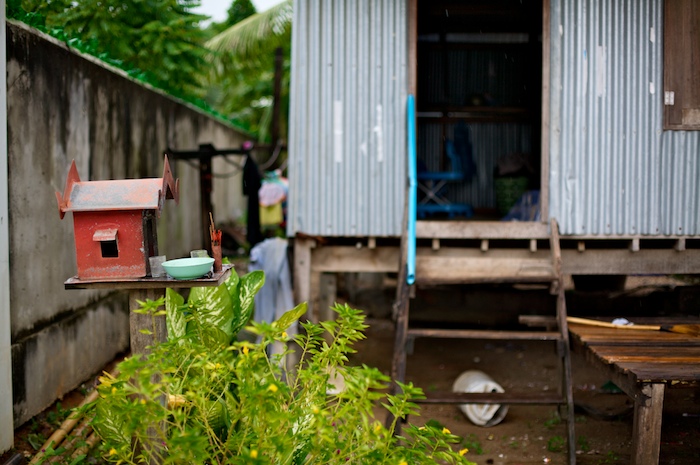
{"x": 64, "y": 106}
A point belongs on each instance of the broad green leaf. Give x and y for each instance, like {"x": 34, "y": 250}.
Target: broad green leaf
{"x": 290, "y": 316}
{"x": 109, "y": 424}
{"x": 213, "y": 307}
{"x": 249, "y": 285}
{"x": 175, "y": 318}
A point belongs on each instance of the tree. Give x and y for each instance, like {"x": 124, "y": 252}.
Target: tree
{"x": 241, "y": 81}
{"x": 159, "y": 40}
{"x": 239, "y": 10}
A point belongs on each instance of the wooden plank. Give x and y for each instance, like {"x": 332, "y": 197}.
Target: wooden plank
{"x": 606, "y": 261}
{"x": 485, "y": 334}
{"x": 351, "y": 259}
{"x": 650, "y": 354}
{"x": 646, "y": 432}
{"x": 441, "y": 269}
{"x": 482, "y": 230}
{"x": 446, "y": 397}
{"x": 149, "y": 283}
{"x": 546, "y": 115}
{"x": 674, "y": 374}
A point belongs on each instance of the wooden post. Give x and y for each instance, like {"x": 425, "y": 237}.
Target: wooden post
{"x": 138, "y": 322}
{"x": 646, "y": 434}
{"x": 302, "y": 271}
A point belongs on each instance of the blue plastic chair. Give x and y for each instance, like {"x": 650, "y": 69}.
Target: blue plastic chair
{"x": 433, "y": 184}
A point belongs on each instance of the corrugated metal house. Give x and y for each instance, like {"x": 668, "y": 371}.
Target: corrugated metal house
{"x": 585, "y": 99}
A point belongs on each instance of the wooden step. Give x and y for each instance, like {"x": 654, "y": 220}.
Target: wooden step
{"x": 413, "y": 333}
{"x": 506, "y": 398}
{"x": 430, "y": 229}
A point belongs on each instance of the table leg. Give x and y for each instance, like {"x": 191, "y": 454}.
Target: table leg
{"x": 137, "y": 321}
{"x": 646, "y": 433}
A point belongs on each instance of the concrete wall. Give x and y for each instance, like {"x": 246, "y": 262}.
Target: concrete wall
{"x": 64, "y": 106}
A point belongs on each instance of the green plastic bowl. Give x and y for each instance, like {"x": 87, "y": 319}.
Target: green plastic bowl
{"x": 188, "y": 268}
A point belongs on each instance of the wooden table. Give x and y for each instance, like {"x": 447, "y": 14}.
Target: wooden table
{"x": 141, "y": 289}
{"x": 643, "y": 364}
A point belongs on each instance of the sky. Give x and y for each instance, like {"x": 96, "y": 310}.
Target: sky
{"x": 217, "y": 8}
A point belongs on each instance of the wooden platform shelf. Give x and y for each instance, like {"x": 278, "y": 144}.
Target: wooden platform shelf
{"x": 643, "y": 364}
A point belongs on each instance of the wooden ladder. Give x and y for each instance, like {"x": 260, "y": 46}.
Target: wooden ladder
{"x": 483, "y": 264}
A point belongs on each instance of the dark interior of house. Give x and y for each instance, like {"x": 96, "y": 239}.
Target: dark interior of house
{"x": 479, "y": 83}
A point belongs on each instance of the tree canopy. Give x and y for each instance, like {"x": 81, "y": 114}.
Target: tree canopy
{"x": 161, "y": 38}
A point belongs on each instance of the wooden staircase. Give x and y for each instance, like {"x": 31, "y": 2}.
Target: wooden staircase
{"x": 471, "y": 252}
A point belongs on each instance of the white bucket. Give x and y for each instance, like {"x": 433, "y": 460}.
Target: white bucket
{"x": 480, "y": 414}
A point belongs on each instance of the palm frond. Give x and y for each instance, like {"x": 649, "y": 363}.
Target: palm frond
{"x": 259, "y": 33}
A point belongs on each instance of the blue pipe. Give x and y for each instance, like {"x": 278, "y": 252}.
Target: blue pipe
{"x": 412, "y": 191}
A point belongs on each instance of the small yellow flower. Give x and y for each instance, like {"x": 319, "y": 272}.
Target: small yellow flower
{"x": 403, "y": 462}
{"x": 284, "y": 334}
{"x": 463, "y": 451}
{"x": 272, "y": 387}
{"x": 315, "y": 410}
{"x": 245, "y": 350}
{"x": 112, "y": 451}
{"x": 143, "y": 401}
{"x": 114, "y": 390}
{"x": 254, "y": 454}
{"x": 446, "y": 431}
{"x": 377, "y": 427}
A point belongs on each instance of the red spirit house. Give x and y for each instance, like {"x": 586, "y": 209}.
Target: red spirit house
{"x": 114, "y": 222}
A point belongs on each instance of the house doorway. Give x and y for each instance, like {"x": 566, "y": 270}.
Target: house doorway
{"x": 477, "y": 75}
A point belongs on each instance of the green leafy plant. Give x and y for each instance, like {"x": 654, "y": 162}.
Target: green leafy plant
{"x": 556, "y": 444}
{"x": 582, "y": 444}
{"x": 205, "y": 397}
{"x": 553, "y": 421}
{"x": 610, "y": 458}
{"x": 472, "y": 443}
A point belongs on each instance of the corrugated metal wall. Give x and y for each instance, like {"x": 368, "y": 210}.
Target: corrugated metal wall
{"x": 347, "y": 138}
{"x": 613, "y": 170}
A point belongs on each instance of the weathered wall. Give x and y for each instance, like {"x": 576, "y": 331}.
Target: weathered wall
{"x": 64, "y": 106}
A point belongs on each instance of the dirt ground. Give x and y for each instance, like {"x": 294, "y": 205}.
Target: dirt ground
{"x": 527, "y": 434}
{"x": 535, "y": 434}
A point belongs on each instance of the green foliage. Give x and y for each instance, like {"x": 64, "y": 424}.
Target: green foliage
{"x": 240, "y": 10}
{"x": 471, "y": 442}
{"x": 205, "y": 400}
{"x": 160, "y": 38}
{"x": 556, "y": 444}
{"x": 241, "y": 81}
{"x": 213, "y": 314}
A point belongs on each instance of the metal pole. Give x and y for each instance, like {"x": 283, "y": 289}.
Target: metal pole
{"x": 6, "y": 426}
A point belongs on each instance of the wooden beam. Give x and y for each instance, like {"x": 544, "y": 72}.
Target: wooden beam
{"x": 481, "y": 230}
{"x": 485, "y": 334}
{"x": 546, "y": 118}
{"x": 350, "y": 259}
{"x": 651, "y": 261}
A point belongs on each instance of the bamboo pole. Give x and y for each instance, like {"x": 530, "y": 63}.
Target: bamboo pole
{"x": 60, "y": 434}
{"x": 89, "y": 444}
